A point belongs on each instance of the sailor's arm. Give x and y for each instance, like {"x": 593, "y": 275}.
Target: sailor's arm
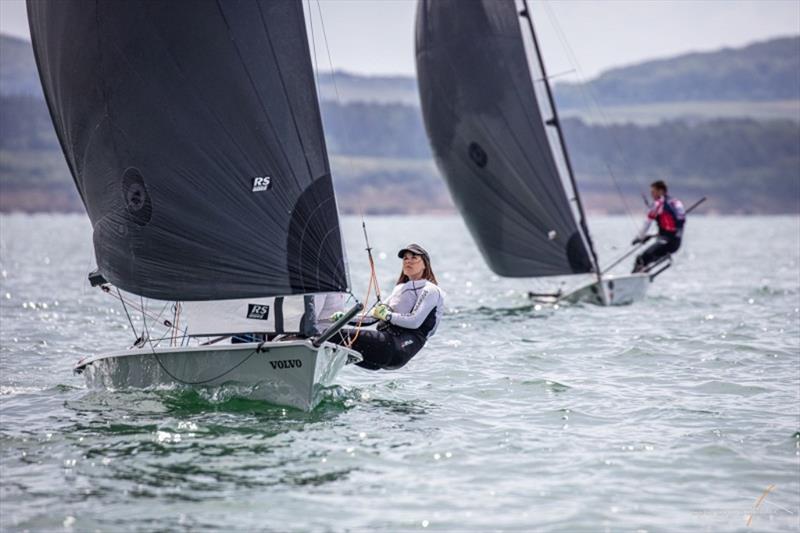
{"x": 652, "y": 214}
{"x": 640, "y": 237}
{"x": 367, "y": 319}
{"x": 427, "y": 301}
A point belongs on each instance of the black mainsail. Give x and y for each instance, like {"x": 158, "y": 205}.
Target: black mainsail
{"x": 489, "y": 138}
{"x": 193, "y": 133}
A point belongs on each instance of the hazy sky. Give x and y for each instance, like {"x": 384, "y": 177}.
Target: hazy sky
{"x": 376, "y": 36}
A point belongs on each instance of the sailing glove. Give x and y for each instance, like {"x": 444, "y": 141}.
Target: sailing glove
{"x": 641, "y": 239}
{"x": 382, "y": 312}
{"x": 337, "y": 315}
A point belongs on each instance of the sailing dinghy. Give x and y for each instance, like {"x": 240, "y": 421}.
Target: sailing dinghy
{"x": 497, "y": 140}
{"x": 193, "y": 134}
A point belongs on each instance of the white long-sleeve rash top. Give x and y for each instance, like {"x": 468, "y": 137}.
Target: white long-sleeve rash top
{"x": 411, "y": 303}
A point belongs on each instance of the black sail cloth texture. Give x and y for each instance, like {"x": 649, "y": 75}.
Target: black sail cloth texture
{"x": 193, "y": 133}
{"x": 489, "y": 139}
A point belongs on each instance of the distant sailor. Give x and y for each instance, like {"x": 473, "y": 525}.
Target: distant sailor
{"x": 670, "y": 216}
{"x": 408, "y": 318}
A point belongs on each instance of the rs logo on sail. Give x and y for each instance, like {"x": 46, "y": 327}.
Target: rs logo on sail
{"x": 262, "y": 183}
{"x": 258, "y": 311}
{"x": 286, "y": 363}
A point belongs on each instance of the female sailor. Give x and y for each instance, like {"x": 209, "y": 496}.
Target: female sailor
{"x": 407, "y": 320}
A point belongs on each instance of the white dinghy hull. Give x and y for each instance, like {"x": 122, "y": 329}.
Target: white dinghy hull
{"x": 612, "y": 290}
{"x": 289, "y": 373}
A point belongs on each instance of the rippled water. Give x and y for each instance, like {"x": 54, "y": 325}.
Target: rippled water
{"x": 674, "y": 414}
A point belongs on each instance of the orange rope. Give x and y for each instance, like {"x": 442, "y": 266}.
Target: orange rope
{"x": 373, "y": 279}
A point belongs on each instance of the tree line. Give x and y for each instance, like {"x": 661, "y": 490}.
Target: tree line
{"x": 386, "y": 146}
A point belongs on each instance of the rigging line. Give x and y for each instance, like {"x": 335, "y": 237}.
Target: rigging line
{"x": 328, "y": 51}
{"x": 557, "y": 75}
{"x": 161, "y": 313}
{"x": 158, "y": 341}
{"x": 617, "y": 186}
{"x": 285, "y": 89}
{"x": 583, "y": 224}
{"x": 146, "y": 329}
{"x": 559, "y": 147}
{"x": 132, "y": 305}
{"x": 586, "y": 91}
{"x": 175, "y": 329}
{"x": 351, "y": 341}
{"x": 346, "y": 130}
{"x": 178, "y": 309}
{"x": 174, "y": 326}
{"x": 144, "y": 321}
{"x": 556, "y": 144}
{"x": 371, "y": 261}
{"x": 349, "y": 162}
{"x": 202, "y": 381}
{"x": 589, "y": 98}
{"x": 125, "y": 307}
{"x": 313, "y": 46}
{"x": 373, "y": 280}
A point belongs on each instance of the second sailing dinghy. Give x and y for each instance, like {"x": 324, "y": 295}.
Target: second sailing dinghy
{"x": 193, "y": 133}
{"x": 497, "y": 139}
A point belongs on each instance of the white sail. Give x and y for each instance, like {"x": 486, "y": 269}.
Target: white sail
{"x": 306, "y": 315}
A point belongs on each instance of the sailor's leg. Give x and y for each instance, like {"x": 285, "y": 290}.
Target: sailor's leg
{"x": 639, "y": 264}
{"x": 376, "y": 347}
{"x": 652, "y": 253}
{"x": 407, "y": 346}
{"x": 673, "y": 245}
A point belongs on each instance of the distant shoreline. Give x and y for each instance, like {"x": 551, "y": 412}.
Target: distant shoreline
{"x": 711, "y": 213}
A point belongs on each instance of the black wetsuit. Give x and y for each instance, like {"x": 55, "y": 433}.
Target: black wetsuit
{"x": 417, "y": 307}
{"x": 664, "y": 245}
{"x": 670, "y": 217}
{"x": 389, "y": 347}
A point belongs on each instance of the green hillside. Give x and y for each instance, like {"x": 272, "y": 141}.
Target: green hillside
{"x": 346, "y": 87}
{"x": 381, "y": 160}
{"x": 745, "y": 165}
{"x": 763, "y": 71}
{"x": 17, "y": 67}
{"x": 760, "y": 73}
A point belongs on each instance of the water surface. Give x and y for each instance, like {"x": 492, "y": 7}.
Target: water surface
{"x": 674, "y": 414}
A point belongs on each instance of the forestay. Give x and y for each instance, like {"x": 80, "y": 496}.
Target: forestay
{"x": 193, "y": 133}
{"x": 489, "y": 140}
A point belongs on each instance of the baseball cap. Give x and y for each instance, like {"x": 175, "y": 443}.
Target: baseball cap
{"x": 415, "y": 249}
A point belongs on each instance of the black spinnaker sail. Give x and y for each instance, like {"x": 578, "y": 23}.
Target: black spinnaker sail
{"x": 489, "y": 140}
{"x": 193, "y": 133}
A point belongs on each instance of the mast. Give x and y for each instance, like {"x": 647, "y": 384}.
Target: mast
{"x": 555, "y": 122}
